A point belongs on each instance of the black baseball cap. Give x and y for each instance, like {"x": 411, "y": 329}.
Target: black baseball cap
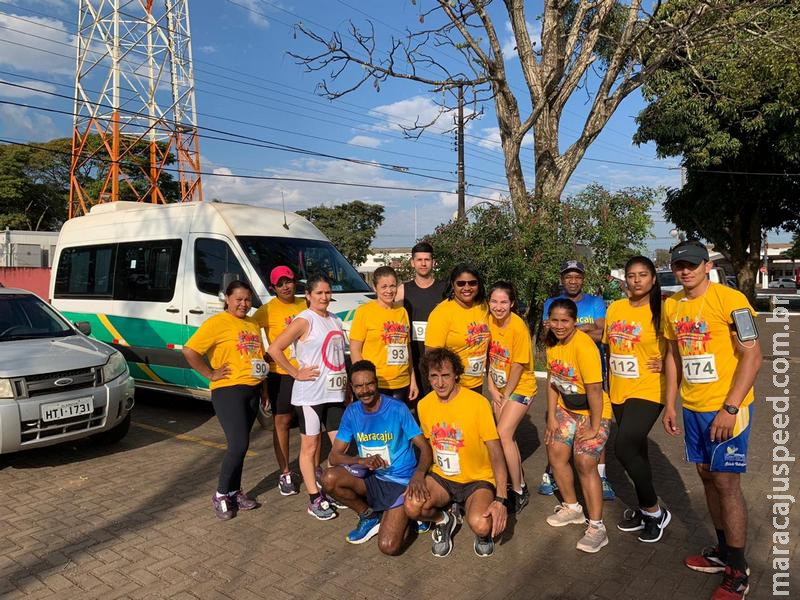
{"x": 692, "y": 252}
{"x": 572, "y": 265}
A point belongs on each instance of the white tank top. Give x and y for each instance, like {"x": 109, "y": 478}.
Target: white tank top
{"x": 323, "y": 348}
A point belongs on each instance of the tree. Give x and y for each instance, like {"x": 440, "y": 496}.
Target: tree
{"x": 605, "y": 49}
{"x": 794, "y": 251}
{"x": 609, "y": 228}
{"x": 35, "y": 178}
{"x": 731, "y": 112}
{"x": 350, "y": 226}
{"x": 663, "y": 258}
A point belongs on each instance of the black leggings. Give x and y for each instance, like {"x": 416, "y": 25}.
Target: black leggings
{"x": 236, "y": 407}
{"x": 635, "y": 419}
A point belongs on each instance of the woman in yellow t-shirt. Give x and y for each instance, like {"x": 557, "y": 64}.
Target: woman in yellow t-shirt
{"x": 578, "y": 418}
{"x": 232, "y": 342}
{"x": 512, "y": 384}
{"x": 636, "y": 350}
{"x": 461, "y": 324}
{"x": 381, "y": 334}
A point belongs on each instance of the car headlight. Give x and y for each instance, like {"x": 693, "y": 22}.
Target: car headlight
{"x": 115, "y": 367}
{"x": 6, "y": 390}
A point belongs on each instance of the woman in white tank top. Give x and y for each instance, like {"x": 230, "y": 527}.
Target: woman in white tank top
{"x": 320, "y": 382}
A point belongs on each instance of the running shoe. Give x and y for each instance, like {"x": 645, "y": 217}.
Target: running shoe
{"x": 734, "y": 585}
{"x": 286, "y": 485}
{"x": 321, "y": 509}
{"x": 608, "y": 491}
{"x": 423, "y": 526}
{"x": 632, "y": 520}
{"x": 366, "y": 529}
{"x": 654, "y": 526}
{"x": 521, "y": 500}
{"x": 223, "y": 507}
{"x": 564, "y": 515}
{"x": 548, "y": 486}
{"x": 708, "y": 561}
{"x": 594, "y": 539}
{"x": 242, "y": 502}
{"x": 484, "y": 546}
{"x": 442, "y": 536}
{"x": 335, "y": 503}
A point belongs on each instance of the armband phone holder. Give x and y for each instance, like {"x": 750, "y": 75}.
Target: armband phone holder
{"x": 744, "y": 325}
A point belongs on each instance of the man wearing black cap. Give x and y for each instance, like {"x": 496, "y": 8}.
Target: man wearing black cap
{"x": 714, "y": 354}
{"x": 592, "y": 321}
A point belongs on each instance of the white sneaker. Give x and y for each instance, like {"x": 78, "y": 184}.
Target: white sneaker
{"x": 564, "y": 515}
{"x": 594, "y": 539}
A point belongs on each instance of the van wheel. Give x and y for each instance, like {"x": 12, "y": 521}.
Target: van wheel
{"x": 116, "y": 433}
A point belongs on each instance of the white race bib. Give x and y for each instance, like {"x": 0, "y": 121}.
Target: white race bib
{"x": 258, "y": 368}
{"x": 418, "y": 329}
{"x": 448, "y": 462}
{"x": 624, "y": 365}
{"x": 396, "y": 355}
{"x": 498, "y": 377}
{"x": 565, "y": 387}
{"x": 336, "y": 382}
{"x": 700, "y": 368}
{"x": 382, "y": 451}
{"x": 476, "y": 365}
{"x": 292, "y": 353}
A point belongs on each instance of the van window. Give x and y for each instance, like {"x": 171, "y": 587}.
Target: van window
{"x": 213, "y": 258}
{"x": 146, "y": 271}
{"x": 86, "y": 272}
{"x": 304, "y": 257}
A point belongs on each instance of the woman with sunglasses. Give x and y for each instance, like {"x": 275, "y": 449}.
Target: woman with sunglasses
{"x": 461, "y": 324}
{"x": 274, "y": 317}
{"x": 381, "y": 334}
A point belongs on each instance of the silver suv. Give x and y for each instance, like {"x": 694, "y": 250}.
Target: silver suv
{"x": 56, "y": 384}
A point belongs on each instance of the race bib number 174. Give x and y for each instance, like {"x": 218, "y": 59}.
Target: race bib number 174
{"x": 700, "y": 368}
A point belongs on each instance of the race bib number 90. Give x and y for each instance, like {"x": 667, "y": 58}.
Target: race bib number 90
{"x": 258, "y": 368}
{"x": 700, "y": 368}
{"x": 336, "y": 382}
{"x": 396, "y": 355}
{"x": 448, "y": 462}
{"x": 625, "y": 366}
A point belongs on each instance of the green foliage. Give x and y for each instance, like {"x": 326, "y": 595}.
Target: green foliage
{"x": 794, "y": 251}
{"x": 607, "y": 227}
{"x": 350, "y": 226}
{"x": 663, "y": 258}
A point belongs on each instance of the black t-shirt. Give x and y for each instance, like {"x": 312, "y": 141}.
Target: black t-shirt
{"x": 419, "y": 302}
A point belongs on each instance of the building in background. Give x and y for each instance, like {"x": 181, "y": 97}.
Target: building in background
{"x": 26, "y": 258}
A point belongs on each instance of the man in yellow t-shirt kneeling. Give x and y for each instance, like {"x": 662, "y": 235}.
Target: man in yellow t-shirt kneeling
{"x": 468, "y": 464}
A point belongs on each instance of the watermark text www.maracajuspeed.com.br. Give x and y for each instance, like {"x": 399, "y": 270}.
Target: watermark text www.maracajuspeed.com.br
{"x": 782, "y": 461}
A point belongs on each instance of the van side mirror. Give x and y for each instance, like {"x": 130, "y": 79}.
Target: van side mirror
{"x": 84, "y": 327}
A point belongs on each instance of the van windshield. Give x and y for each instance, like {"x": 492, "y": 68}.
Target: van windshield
{"x": 304, "y": 257}
{"x": 667, "y": 278}
{"x": 23, "y": 317}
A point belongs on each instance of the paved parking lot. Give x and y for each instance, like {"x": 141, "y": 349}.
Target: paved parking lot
{"x": 135, "y": 521}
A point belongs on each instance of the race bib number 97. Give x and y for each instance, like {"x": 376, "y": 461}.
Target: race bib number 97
{"x": 336, "y": 382}
{"x": 700, "y": 368}
{"x": 476, "y": 365}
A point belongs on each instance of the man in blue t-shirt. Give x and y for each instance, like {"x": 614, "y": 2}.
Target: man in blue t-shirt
{"x": 592, "y": 321}
{"x": 375, "y": 482}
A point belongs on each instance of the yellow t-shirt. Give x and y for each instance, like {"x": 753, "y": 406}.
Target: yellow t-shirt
{"x": 385, "y": 335}
{"x": 707, "y": 344}
{"x": 632, "y": 343}
{"x": 458, "y": 431}
{"x": 225, "y": 338}
{"x": 274, "y": 317}
{"x": 574, "y": 365}
{"x": 511, "y": 344}
{"x": 465, "y": 331}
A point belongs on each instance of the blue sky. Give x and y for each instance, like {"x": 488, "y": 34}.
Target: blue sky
{"x": 248, "y": 85}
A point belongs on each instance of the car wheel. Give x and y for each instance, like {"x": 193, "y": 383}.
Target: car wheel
{"x": 116, "y": 433}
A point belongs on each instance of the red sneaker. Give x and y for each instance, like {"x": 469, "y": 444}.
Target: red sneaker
{"x": 734, "y": 585}
{"x": 708, "y": 561}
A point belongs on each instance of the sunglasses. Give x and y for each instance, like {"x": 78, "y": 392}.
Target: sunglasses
{"x": 461, "y": 283}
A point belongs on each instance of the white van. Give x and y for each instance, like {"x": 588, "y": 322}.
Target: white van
{"x": 145, "y": 276}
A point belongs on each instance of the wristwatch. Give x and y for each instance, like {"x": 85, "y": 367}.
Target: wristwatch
{"x": 730, "y": 409}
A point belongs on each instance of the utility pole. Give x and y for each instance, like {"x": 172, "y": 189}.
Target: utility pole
{"x": 462, "y": 210}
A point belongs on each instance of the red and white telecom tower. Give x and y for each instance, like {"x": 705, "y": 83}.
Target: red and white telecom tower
{"x": 134, "y": 86}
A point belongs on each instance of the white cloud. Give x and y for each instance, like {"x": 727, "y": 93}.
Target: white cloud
{"x": 209, "y": 49}
{"x": 17, "y": 43}
{"x": 405, "y": 113}
{"x": 490, "y": 139}
{"x": 255, "y": 12}
{"x": 11, "y": 91}
{"x": 510, "y": 43}
{"x": 20, "y": 122}
{"x": 365, "y": 140}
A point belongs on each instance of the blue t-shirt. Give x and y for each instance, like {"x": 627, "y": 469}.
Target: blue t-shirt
{"x": 590, "y": 308}
{"x": 387, "y": 432}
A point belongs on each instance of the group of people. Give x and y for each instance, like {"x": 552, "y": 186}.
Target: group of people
{"x": 442, "y": 375}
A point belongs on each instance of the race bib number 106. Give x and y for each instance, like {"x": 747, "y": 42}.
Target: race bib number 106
{"x": 336, "y": 382}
